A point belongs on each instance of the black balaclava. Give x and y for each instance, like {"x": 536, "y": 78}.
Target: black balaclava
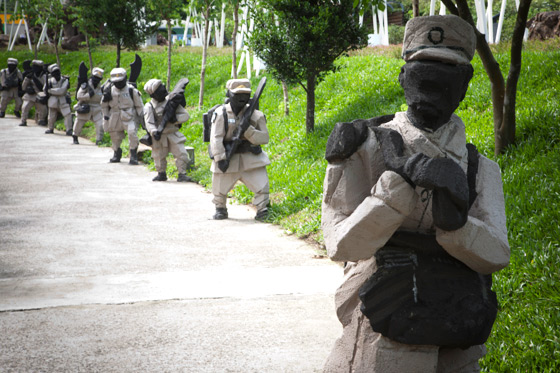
{"x": 12, "y": 67}
{"x": 56, "y": 74}
{"x": 95, "y": 81}
{"x": 433, "y": 91}
{"x": 120, "y": 84}
{"x": 238, "y": 101}
{"x": 37, "y": 70}
{"x": 160, "y": 93}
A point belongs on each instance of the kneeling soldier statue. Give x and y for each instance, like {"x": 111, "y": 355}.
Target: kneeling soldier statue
{"x": 10, "y": 88}
{"x": 122, "y": 107}
{"x": 89, "y": 104}
{"x": 163, "y": 116}
{"x": 237, "y": 133}
{"x": 59, "y": 100}
{"x": 418, "y": 217}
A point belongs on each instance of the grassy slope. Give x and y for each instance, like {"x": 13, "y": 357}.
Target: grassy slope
{"x": 526, "y": 334}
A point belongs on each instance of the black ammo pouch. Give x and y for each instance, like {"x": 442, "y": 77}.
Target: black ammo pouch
{"x": 421, "y": 295}
{"x": 244, "y": 147}
{"x": 82, "y": 108}
{"x": 11, "y": 81}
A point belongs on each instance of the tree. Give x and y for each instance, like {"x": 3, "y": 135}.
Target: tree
{"x": 235, "y": 4}
{"x": 54, "y": 16}
{"x": 31, "y": 10}
{"x": 169, "y": 11}
{"x": 127, "y": 23}
{"x": 207, "y": 9}
{"x": 300, "y": 40}
{"x": 85, "y": 15}
{"x": 504, "y": 93}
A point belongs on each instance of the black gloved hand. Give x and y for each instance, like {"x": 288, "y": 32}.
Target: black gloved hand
{"x": 107, "y": 96}
{"x": 450, "y": 188}
{"x": 30, "y": 90}
{"x": 157, "y": 135}
{"x": 223, "y": 165}
{"x": 106, "y": 117}
{"x": 392, "y": 148}
{"x": 37, "y": 82}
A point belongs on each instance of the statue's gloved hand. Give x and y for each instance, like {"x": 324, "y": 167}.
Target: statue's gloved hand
{"x": 157, "y": 135}
{"x": 91, "y": 92}
{"x": 450, "y": 188}
{"x": 30, "y": 90}
{"x": 37, "y": 82}
{"x": 392, "y": 148}
{"x": 223, "y": 165}
{"x": 107, "y": 96}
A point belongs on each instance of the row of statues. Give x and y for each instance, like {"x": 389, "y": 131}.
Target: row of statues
{"x": 415, "y": 213}
{"x": 237, "y": 131}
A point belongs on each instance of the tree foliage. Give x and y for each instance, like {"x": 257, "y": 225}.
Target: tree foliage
{"x": 300, "y": 40}
{"x": 127, "y": 23}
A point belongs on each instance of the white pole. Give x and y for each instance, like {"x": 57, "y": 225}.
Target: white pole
{"x": 374, "y": 16}
{"x": 501, "y": 21}
{"x": 432, "y": 7}
{"x": 386, "y": 33}
{"x": 12, "y": 26}
{"x": 490, "y": 19}
{"x": 15, "y": 36}
{"x": 185, "y": 34}
{"x": 481, "y": 15}
{"x": 441, "y": 9}
{"x": 27, "y": 32}
{"x": 222, "y": 26}
{"x": 5, "y": 18}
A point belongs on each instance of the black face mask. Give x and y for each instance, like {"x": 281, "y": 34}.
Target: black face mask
{"x": 95, "y": 81}
{"x": 238, "y": 101}
{"x": 56, "y": 74}
{"x": 120, "y": 84}
{"x": 160, "y": 93}
{"x": 12, "y": 67}
{"x": 37, "y": 70}
{"x": 433, "y": 91}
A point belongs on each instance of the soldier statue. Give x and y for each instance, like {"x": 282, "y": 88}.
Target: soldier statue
{"x": 10, "y": 88}
{"x": 248, "y": 162}
{"x": 165, "y": 110}
{"x": 88, "y": 107}
{"x": 59, "y": 99}
{"x": 122, "y": 108}
{"x": 418, "y": 218}
{"x": 33, "y": 85}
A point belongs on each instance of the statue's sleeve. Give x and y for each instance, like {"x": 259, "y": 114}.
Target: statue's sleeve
{"x": 482, "y": 243}
{"x": 83, "y": 94}
{"x": 60, "y": 91}
{"x": 363, "y": 204}
{"x": 217, "y": 135}
{"x": 182, "y": 115}
{"x": 257, "y": 133}
{"x": 138, "y": 104}
{"x": 149, "y": 118}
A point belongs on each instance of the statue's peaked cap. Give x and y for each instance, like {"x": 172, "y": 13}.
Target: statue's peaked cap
{"x": 447, "y": 38}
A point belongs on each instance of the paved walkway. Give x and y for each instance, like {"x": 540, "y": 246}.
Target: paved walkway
{"x": 103, "y": 270}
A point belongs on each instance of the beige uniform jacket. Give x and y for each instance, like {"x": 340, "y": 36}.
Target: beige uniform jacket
{"x": 28, "y": 81}
{"x": 363, "y": 205}
{"x": 57, "y": 91}
{"x": 123, "y": 110}
{"x": 11, "y": 92}
{"x": 153, "y": 111}
{"x": 94, "y": 102}
{"x": 256, "y": 134}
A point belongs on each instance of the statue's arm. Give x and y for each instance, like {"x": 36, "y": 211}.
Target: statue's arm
{"x": 482, "y": 243}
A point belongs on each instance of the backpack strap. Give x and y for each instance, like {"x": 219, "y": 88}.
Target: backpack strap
{"x": 226, "y": 124}
{"x": 472, "y": 170}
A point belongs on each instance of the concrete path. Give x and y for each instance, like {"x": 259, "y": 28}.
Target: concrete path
{"x": 103, "y": 270}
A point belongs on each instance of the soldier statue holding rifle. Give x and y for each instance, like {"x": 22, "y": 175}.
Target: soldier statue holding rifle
{"x": 237, "y": 133}
{"x": 163, "y": 116}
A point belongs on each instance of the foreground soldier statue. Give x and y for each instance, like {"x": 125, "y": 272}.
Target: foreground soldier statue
{"x": 10, "y": 88}
{"x": 59, "y": 100}
{"x": 248, "y": 162}
{"x": 418, "y": 217}
{"x": 33, "y": 85}
{"x": 122, "y": 107}
{"x": 89, "y": 105}
{"x": 163, "y": 116}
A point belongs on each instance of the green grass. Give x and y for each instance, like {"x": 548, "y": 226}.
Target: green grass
{"x": 526, "y": 336}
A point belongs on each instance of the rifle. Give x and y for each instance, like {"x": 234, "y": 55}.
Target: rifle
{"x": 82, "y": 76}
{"x": 175, "y": 98}
{"x": 245, "y": 122}
{"x": 135, "y": 69}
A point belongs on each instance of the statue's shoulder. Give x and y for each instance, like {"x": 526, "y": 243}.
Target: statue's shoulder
{"x": 346, "y": 137}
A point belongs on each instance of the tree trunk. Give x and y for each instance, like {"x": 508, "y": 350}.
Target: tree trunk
{"x": 204, "y": 53}
{"x": 286, "y": 102}
{"x": 415, "y": 8}
{"x": 89, "y": 52}
{"x": 169, "y": 47}
{"x": 310, "y": 113}
{"x": 56, "y": 40}
{"x": 118, "y": 54}
{"x": 234, "y": 41}
{"x": 505, "y": 132}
